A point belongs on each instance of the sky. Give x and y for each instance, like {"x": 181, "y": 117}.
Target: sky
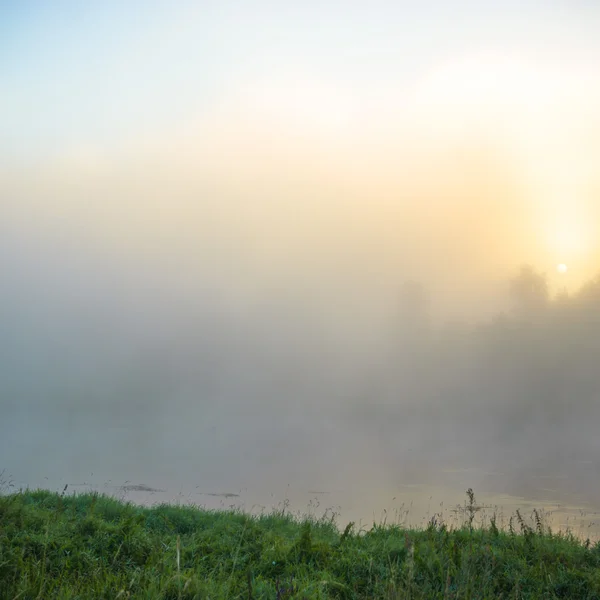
{"x": 290, "y": 139}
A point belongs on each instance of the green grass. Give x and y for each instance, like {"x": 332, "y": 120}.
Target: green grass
{"x": 94, "y": 546}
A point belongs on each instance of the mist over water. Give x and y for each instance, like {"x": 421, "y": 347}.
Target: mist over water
{"x": 115, "y": 374}
{"x": 244, "y": 255}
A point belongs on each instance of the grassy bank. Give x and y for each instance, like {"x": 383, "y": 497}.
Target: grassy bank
{"x": 94, "y": 546}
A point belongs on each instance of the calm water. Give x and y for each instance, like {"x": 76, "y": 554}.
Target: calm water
{"x": 307, "y": 460}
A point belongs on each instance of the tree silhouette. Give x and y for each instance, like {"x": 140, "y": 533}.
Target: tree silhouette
{"x": 529, "y": 291}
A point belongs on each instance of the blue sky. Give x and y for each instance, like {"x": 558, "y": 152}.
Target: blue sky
{"x": 86, "y": 73}
{"x": 99, "y": 72}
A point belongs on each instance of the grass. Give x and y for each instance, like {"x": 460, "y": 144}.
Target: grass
{"x": 95, "y": 546}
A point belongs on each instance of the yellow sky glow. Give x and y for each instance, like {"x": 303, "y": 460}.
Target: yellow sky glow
{"x": 480, "y": 162}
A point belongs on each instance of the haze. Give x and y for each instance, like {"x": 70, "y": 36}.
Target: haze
{"x": 269, "y": 246}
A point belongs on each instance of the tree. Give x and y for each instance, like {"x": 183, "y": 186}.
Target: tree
{"x": 529, "y": 291}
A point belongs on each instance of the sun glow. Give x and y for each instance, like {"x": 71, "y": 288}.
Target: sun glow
{"x": 569, "y": 237}
{"x": 570, "y": 242}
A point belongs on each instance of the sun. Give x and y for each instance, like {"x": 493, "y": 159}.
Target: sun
{"x": 562, "y": 268}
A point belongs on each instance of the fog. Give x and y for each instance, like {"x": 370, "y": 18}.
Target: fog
{"x": 312, "y": 284}
{"x": 197, "y": 344}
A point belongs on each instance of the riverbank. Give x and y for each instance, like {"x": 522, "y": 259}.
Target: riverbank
{"x": 95, "y": 546}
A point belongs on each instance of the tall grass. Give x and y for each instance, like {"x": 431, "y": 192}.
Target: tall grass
{"x": 95, "y": 546}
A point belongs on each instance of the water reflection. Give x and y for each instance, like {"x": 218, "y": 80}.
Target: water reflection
{"x": 309, "y": 461}
{"x": 369, "y": 502}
